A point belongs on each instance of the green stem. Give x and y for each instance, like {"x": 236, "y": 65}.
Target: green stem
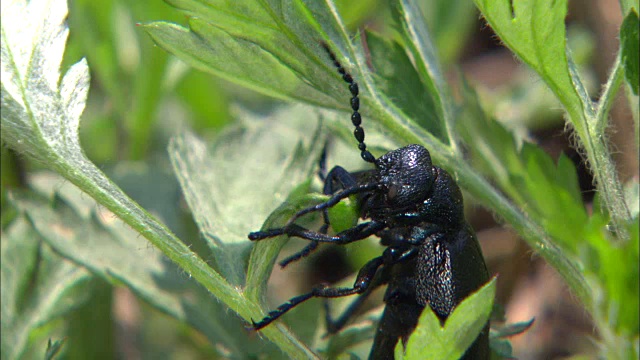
{"x": 595, "y": 143}
{"x": 92, "y": 181}
{"x": 609, "y": 95}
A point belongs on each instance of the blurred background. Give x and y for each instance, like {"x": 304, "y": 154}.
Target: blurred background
{"x": 140, "y": 97}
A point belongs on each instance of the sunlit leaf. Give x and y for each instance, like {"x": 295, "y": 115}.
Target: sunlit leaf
{"x": 430, "y": 340}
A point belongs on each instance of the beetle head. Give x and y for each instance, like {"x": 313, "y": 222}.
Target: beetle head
{"x": 406, "y": 175}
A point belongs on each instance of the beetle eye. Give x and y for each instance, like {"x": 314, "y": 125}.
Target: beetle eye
{"x": 392, "y": 192}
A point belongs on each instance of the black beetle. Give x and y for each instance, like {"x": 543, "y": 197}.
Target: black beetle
{"x": 432, "y": 257}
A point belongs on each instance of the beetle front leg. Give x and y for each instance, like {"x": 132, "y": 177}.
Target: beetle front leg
{"x": 358, "y": 232}
{"x": 337, "y": 179}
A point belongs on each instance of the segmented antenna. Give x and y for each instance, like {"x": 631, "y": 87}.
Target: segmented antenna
{"x": 356, "y": 119}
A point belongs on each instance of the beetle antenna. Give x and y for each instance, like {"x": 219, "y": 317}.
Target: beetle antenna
{"x": 356, "y": 119}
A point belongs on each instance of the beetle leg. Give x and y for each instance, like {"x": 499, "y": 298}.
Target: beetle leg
{"x": 362, "y": 283}
{"x": 337, "y": 179}
{"x": 336, "y": 198}
{"x": 358, "y": 232}
{"x": 312, "y": 246}
{"x": 390, "y": 256}
{"x": 335, "y": 325}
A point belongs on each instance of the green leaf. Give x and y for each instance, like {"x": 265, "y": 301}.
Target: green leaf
{"x": 550, "y": 194}
{"x": 627, "y": 5}
{"x": 30, "y": 88}
{"x": 566, "y": 177}
{"x": 81, "y": 233}
{"x": 261, "y": 159}
{"x": 396, "y": 77}
{"x": 53, "y": 349}
{"x": 496, "y": 154}
{"x": 156, "y": 189}
{"x": 535, "y": 31}
{"x": 502, "y": 348}
{"x": 451, "y": 23}
{"x": 267, "y": 45}
{"x": 270, "y": 53}
{"x": 511, "y": 329}
{"x": 432, "y": 341}
{"x": 496, "y": 149}
{"x": 211, "y": 49}
{"x": 497, "y": 337}
{"x": 418, "y": 42}
{"x": 358, "y": 13}
{"x": 264, "y": 253}
{"x": 40, "y": 119}
{"x": 37, "y": 286}
{"x": 629, "y": 40}
{"x": 617, "y": 268}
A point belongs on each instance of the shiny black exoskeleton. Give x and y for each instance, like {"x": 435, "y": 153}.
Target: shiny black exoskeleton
{"x": 432, "y": 257}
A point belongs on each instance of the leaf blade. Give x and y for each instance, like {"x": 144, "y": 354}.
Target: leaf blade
{"x": 42, "y": 126}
